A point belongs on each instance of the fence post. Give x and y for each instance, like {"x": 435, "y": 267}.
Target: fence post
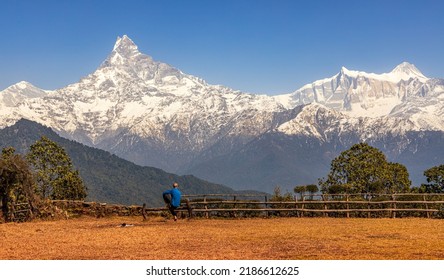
{"x": 325, "y": 206}
{"x": 296, "y": 205}
{"x": 266, "y": 207}
{"x": 235, "y": 206}
{"x": 302, "y": 206}
{"x": 368, "y": 206}
{"x": 190, "y": 210}
{"x": 102, "y": 210}
{"x": 348, "y": 207}
{"x": 143, "y": 211}
{"x": 394, "y": 206}
{"x": 426, "y": 205}
{"x": 207, "y": 214}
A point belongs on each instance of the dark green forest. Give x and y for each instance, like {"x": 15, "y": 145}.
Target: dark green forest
{"x": 107, "y": 177}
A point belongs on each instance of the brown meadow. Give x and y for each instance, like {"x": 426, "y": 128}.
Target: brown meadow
{"x": 222, "y": 239}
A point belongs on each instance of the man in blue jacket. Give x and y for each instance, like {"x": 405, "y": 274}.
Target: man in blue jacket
{"x": 172, "y": 199}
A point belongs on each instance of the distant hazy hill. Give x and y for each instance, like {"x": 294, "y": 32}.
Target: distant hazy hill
{"x": 108, "y": 177}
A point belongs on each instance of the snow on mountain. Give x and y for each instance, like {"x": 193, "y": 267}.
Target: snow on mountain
{"x": 425, "y": 111}
{"x": 319, "y": 121}
{"x": 17, "y": 93}
{"x": 154, "y": 114}
{"x": 15, "y": 102}
{"x": 314, "y": 120}
{"x": 406, "y": 71}
{"x": 403, "y": 72}
{"x": 361, "y": 94}
{"x": 152, "y": 99}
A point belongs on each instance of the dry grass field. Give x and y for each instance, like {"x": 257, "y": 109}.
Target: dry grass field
{"x": 219, "y": 239}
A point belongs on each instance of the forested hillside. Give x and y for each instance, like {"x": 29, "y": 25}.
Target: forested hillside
{"x": 108, "y": 177}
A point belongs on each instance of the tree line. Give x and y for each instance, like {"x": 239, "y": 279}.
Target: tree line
{"x": 45, "y": 172}
{"x": 365, "y": 169}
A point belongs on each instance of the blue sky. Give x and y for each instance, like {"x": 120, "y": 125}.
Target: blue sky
{"x": 257, "y": 46}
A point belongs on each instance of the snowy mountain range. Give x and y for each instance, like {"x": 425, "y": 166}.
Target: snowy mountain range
{"x": 360, "y": 94}
{"x": 154, "y": 114}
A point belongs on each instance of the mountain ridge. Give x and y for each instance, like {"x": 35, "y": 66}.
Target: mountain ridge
{"x": 108, "y": 177}
{"x": 153, "y": 114}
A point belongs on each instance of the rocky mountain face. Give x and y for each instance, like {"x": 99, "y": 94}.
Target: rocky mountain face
{"x": 300, "y": 151}
{"x": 153, "y": 114}
{"x": 404, "y": 92}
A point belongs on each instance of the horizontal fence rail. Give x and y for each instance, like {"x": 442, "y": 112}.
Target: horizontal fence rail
{"x": 344, "y": 205}
{"x": 261, "y": 205}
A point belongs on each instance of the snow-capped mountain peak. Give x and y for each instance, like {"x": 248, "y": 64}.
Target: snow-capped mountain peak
{"x": 124, "y": 43}
{"x": 131, "y": 91}
{"x": 361, "y": 94}
{"x": 125, "y": 54}
{"x": 406, "y": 71}
{"x": 345, "y": 71}
{"x": 153, "y": 114}
{"x": 129, "y": 72}
{"x": 19, "y": 92}
{"x": 26, "y": 88}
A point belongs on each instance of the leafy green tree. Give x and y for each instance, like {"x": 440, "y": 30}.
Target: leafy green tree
{"x": 16, "y": 182}
{"x": 435, "y": 180}
{"x": 364, "y": 169}
{"x": 300, "y": 190}
{"x": 312, "y": 189}
{"x": 55, "y": 176}
{"x": 397, "y": 178}
{"x": 7, "y": 153}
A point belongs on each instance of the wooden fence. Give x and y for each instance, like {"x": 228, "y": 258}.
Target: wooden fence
{"x": 259, "y": 205}
{"x": 20, "y": 212}
{"x": 344, "y": 205}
